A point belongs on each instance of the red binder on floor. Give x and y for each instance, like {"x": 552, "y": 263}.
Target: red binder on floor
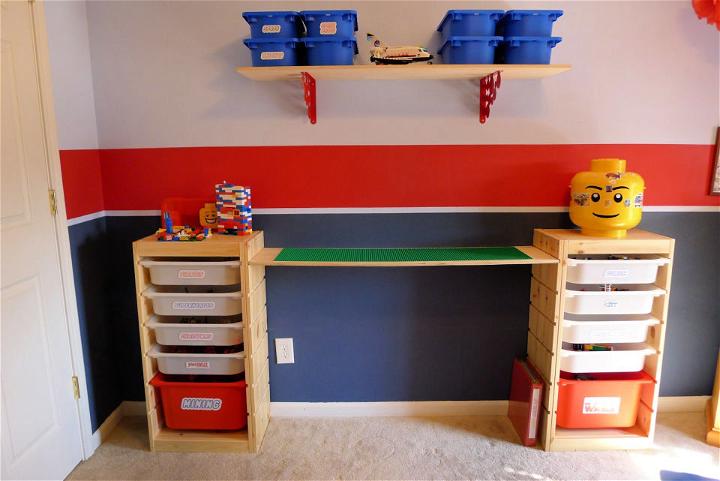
{"x": 525, "y": 401}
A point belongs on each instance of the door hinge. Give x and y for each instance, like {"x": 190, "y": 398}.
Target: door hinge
{"x": 76, "y": 387}
{"x": 53, "y": 201}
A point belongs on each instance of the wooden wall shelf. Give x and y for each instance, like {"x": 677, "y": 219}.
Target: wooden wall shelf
{"x": 402, "y": 72}
{"x": 489, "y": 75}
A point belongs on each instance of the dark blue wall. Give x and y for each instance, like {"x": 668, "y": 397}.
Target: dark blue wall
{"x": 417, "y": 334}
{"x": 90, "y": 252}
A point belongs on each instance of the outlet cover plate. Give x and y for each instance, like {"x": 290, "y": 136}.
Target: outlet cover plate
{"x": 284, "y": 351}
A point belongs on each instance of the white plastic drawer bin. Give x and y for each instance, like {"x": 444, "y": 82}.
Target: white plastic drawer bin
{"x": 207, "y": 273}
{"x": 624, "y": 358}
{"x": 604, "y": 269}
{"x": 170, "y": 331}
{"x": 606, "y": 329}
{"x": 190, "y": 363}
{"x": 222, "y": 301}
{"x": 585, "y": 299}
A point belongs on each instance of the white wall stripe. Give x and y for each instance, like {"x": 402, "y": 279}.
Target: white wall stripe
{"x": 132, "y": 213}
{"x": 393, "y": 210}
{"x": 85, "y": 218}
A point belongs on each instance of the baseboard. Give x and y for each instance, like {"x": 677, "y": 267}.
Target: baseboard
{"x": 107, "y": 427}
{"x": 384, "y": 409}
{"x": 134, "y": 408}
{"x": 440, "y": 408}
{"x": 390, "y": 408}
{"x": 682, "y": 404}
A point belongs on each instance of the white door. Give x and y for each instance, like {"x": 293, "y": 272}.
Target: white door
{"x": 40, "y": 421}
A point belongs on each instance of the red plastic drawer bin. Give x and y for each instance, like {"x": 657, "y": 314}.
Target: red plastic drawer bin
{"x": 202, "y": 405}
{"x": 609, "y": 400}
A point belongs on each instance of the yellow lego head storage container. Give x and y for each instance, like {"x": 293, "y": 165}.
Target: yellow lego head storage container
{"x": 606, "y": 201}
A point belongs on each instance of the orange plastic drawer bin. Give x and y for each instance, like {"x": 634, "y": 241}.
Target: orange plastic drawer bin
{"x": 202, "y": 405}
{"x": 608, "y": 400}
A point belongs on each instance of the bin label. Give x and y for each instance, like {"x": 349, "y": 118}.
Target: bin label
{"x": 272, "y": 55}
{"x": 328, "y": 28}
{"x": 197, "y": 365}
{"x": 191, "y": 274}
{"x": 196, "y": 336}
{"x": 193, "y": 306}
{"x": 616, "y": 273}
{"x": 200, "y": 404}
{"x": 601, "y": 405}
{"x": 271, "y": 28}
{"x": 610, "y": 303}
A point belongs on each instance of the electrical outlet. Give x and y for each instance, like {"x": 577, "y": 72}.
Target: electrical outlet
{"x": 284, "y": 351}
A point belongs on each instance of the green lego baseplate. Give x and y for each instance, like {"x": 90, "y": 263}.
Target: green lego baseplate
{"x": 420, "y": 254}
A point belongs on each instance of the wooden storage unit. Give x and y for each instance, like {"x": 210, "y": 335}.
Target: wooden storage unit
{"x": 254, "y": 339}
{"x": 547, "y": 299}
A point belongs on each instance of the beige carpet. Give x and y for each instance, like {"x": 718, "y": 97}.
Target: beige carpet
{"x": 478, "y": 447}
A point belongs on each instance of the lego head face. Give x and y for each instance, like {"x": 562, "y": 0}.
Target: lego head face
{"x": 606, "y": 201}
{"x": 208, "y": 216}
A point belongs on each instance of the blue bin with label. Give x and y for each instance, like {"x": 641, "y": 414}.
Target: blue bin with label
{"x": 478, "y": 49}
{"x": 274, "y": 52}
{"x": 330, "y": 50}
{"x": 528, "y": 23}
{"x": 274, "y": 24}
{"x": 469, "y": 23}
{"x": 527, "y": 50}
{"x": 321, "y": 23}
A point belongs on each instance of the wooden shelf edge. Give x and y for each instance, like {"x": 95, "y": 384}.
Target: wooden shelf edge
{"x": 599, "y": 439}
{"x": 402, "y": 72}
{"x": 266, "y": 257}
{"x": 201, "y": 441}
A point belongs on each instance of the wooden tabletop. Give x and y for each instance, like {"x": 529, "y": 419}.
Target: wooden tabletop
{"x": 266, "y": 257}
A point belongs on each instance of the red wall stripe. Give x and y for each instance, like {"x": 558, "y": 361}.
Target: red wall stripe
{"x": 396, "y": 176}
{"x": 82, "y": 182}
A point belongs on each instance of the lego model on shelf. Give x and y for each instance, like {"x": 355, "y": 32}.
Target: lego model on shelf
{"x": 381, "y": 53}
{"x": 606, "y": 201}
{"x": 234, "y": 208}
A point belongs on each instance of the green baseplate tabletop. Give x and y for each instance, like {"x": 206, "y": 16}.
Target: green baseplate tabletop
{"x": 423, "y": 254}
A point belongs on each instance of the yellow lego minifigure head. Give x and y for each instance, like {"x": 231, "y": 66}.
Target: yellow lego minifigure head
{"x": 606, "y": 201}
{"x": 208, "y": 216}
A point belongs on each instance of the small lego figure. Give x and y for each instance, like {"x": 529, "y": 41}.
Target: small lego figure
{"x": 209, "y": 216}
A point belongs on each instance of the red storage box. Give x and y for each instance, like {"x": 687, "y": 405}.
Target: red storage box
{"x": 202, "y": 405}
{"x": 609, "y": 400}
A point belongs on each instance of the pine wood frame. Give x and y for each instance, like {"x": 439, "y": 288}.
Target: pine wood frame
{"x": 549, "y": 255}
{"x": 254, "y": 339}
{"x": 547, "y": 300}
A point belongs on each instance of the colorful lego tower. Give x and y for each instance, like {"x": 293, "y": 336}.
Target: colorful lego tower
{"x": 234, "y": 208}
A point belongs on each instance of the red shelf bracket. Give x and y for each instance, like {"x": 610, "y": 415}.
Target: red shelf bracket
{"x": 489, "y": 86}
{"x": 310, "y": 98}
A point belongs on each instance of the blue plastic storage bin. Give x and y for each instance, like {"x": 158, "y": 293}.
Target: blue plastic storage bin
{"x": 330, "y": 50}
{"x": 469, "y": 23}
{"x": 527, "y": 50}
{"x": 274, "y": 52}
{"x": 470, "y": 49}
{"x": 274, "y": 24}
{"x": 528, "y": 23}
{"x": 320, "y": 23}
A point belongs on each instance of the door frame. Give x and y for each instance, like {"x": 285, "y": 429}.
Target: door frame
{"x": 88, "y": 441}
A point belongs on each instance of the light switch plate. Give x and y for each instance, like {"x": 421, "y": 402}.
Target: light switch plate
{"x": 284, "y": 352}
